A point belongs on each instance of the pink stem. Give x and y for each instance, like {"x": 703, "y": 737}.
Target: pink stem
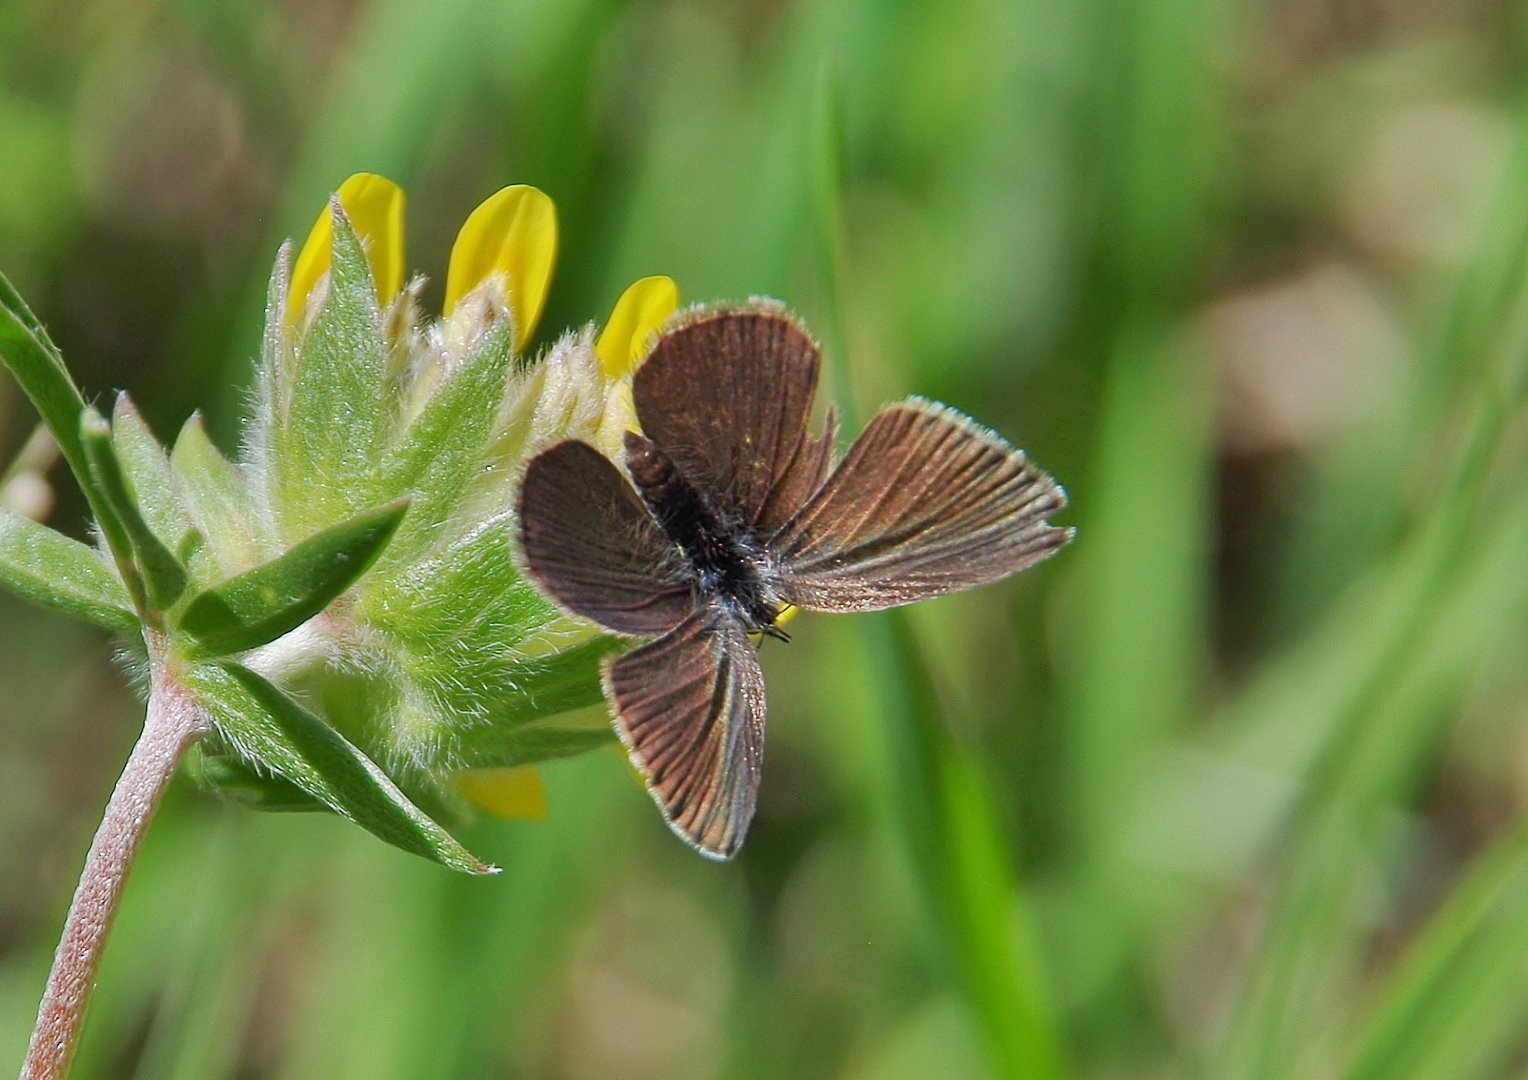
{"x": 173, "y": 723}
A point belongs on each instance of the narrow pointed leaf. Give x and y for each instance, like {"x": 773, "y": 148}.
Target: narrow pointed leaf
{"x": 149, "y": 476}
{"x": 164, "y": 578}
{"x": 259, "y": 606}
{"x": 37, "y": 365}
{"x": 50, "y": 569}
{"x": 110, "y": 524}
{"x": 271, "y": 730}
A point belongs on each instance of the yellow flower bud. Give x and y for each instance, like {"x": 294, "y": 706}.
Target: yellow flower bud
{"x": 512, "y": 234}
{"x": 636, "y": 317}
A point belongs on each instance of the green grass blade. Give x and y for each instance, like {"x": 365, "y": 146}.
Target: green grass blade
{"x": 1379, "y": 740}
{"x": 949, "y": 811}
{"x": 1460, "y": 977}
{"x": 964, "y": 870}
{"x": 827, "y": 227}
{"x": 1135, "y": 667}
{"x": 1370, "y": 756}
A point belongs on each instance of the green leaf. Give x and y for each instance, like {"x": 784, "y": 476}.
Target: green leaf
{"x": 437, "y": 454}
{"x": 271, "y": 731}
{"x": 112, "y": 530}
{"x": 219, "y": 501}
{"x": 327, "y": 445}
{"x": 37, "y": 365}
{"x": 259, "y": 606}
{"x": 162, "y": 575}
{"x": 50, "y": 569}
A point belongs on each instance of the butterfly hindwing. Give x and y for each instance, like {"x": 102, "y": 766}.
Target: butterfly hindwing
{"x": 590, "y": 540}
{"x": 726, "y": 397}
{"x": 690, "y": 709}
{"x": 926, "y": 503}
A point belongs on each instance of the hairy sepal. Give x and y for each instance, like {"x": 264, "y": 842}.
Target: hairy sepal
{"x": 440, "y": 449}
{"x": 221, "y": 506}
{"x": 328, "y": 431}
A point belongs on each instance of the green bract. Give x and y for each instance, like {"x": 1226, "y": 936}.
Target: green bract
{"x": 343, "y": 600}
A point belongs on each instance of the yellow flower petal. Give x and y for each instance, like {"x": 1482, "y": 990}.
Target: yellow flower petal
{"x": 514, "y": 792}
{"x": 620, "y": 416}
{"x": 513, "y": 233}
{"x": 374, "y": 205}
{"x": 637, "y": 315}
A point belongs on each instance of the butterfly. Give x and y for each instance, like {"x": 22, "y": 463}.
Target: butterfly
{"x": 728, "y": 511}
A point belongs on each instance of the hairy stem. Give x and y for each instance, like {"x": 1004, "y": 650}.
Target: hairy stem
{"x": 174, "y": 721}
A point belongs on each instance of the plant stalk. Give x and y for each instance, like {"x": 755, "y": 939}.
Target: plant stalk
{"x": 173, "y": 723}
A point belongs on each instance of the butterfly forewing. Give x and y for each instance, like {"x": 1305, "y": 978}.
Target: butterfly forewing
{"x": 590, "y": 540}
{"x": 926, "y": 503}
{"x": 806, "y": 473}
{"x": 726, "y": 397}
{"x": 690, "y": 709}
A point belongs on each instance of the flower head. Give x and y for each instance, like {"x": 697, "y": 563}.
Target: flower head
{"x": 442, "y": 658}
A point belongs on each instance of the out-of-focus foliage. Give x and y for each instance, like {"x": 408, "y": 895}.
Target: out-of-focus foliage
{"x": 1231, "y": 787}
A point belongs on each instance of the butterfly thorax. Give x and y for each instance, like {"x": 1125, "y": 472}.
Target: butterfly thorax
{"x": 726, "y": 565}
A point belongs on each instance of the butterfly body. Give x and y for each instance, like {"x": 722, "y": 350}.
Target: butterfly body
{"x": 730, "y": 568}
{"x": 727, "y": 510}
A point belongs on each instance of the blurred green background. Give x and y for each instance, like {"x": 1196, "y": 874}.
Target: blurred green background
{"x": 1234, "y": 787}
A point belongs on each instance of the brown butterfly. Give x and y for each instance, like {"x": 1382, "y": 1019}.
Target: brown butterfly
{"x": 731, "y": 514}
